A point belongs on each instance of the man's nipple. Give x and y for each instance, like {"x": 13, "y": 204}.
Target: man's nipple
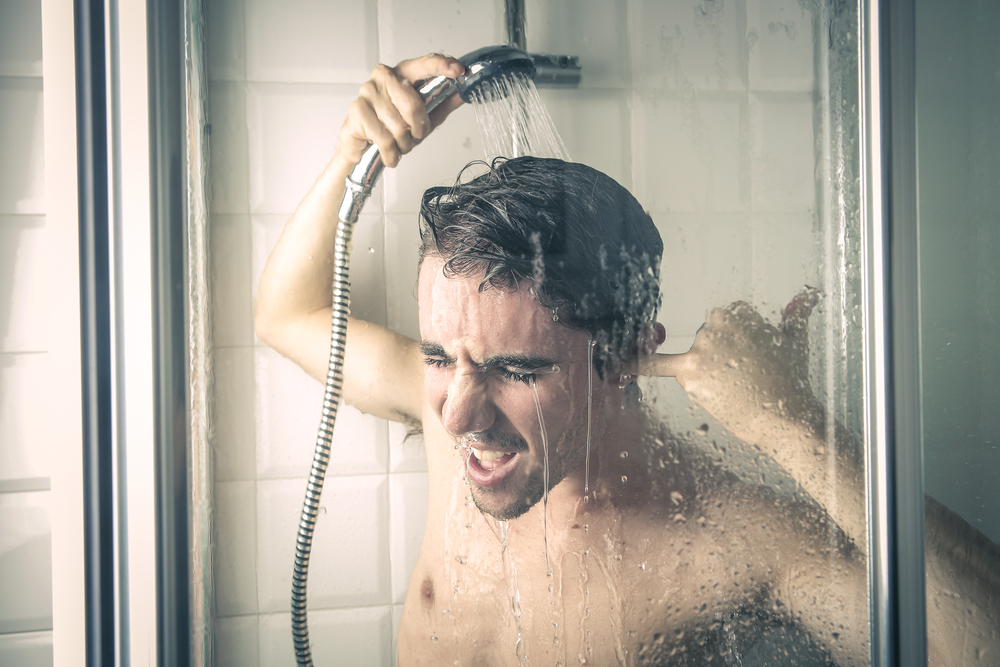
{"x": 427, "y": 594}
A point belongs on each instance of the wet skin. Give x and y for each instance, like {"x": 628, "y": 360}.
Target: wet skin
{"x": 483, "y": 351}
{"x": 647, "y": 571}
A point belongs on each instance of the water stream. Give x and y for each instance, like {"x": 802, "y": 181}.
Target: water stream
{"x": 545, "y": 476}
{"x": 513, "y": 121}
{"x": 515, "y": 597}
{"x": 590, "y": 402}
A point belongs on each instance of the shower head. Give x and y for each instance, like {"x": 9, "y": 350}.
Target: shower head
{"x": 490, "y": 62}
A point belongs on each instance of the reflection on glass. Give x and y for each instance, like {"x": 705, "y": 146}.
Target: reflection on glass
{"x": 703, "y": 503}
{"x": 958, "y": 144}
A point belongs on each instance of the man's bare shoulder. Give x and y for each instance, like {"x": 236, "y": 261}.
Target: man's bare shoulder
{"x": 741, "y": 563}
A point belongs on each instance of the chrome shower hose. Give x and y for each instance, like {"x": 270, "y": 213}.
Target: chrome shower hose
{"x": 358, "y": 188}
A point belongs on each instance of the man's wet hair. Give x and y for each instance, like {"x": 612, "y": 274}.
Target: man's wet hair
{"x": 583, "y": 244}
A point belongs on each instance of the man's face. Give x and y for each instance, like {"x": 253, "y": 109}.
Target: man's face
{"x": 485, "y": 351}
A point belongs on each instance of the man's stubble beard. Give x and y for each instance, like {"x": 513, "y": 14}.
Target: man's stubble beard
{"x": 532, "y": 490}
{"x": 530, "y": 493}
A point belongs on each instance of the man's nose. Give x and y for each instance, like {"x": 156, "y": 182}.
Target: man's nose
{"x": 468, "y": 408}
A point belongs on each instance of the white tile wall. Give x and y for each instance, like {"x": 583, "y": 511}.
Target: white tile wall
{"x": 236, "y": 556}
{"x": 228, "y": 101}
{"x": 25, "y": 386}
{"x": 307, "y": 41}
{"x": 782, "y": 160}
{"x": 339, "y": 637}
{"x": 22, "y": 188}
{"x": 27, "y": 649}
{"x": 409, "y": 29}
{"x": 236, "y": 641}
{"x": 293, "y": 130}
{"x": 227, "y": 56}
{"x": 596, "y": 30}
{"x": 232, "y": 290}
{"x": 705, "y": 110}
{"x": 25, "y": 563}
{"x": 23, "y": 284}
{"x": 350, "y": 558}
{"x": 235, "y": 439}
{"x": 693, "y": 282}
{"x": 780, "y": 37}
{"x": 688, "y": 46}
{"x": 700, "y": 163}
{"x": 27, "y": 333}
{"x": 21, "y": 38}
{"x": 402, "y": 243}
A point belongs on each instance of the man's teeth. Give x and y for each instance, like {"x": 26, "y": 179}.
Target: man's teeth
{"x": 487, "y": 455}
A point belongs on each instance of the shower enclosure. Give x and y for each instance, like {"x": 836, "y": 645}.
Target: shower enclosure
{"x": 846, "y": 146}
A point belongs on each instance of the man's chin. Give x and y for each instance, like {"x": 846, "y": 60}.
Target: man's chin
{"x": 501, "y": 506}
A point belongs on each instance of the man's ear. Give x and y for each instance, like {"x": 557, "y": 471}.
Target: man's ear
{"x": 650, "y": 337}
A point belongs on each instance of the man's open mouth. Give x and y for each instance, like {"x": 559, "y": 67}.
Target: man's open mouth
{"x": 487, "y": 467}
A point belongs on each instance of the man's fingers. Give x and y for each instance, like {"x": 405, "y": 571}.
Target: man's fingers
{"x": 795, "y": 316}
{"x": 395, "y": 99}
{"x": 429, "y": 66}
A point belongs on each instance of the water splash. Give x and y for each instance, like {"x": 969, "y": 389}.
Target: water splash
{"x": 463, "y": 445}
{"x": 545, "y": 475}
{"x": 513, "y": 121}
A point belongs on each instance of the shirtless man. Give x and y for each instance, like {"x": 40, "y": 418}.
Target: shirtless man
{"x": 537, "y": 296}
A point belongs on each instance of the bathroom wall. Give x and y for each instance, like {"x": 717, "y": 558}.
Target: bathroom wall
{"x": 27, "y": 335}
{"x": 708, "y": 111}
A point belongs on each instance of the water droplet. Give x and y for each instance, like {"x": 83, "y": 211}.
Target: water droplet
{"x": 586, "y": 499}
{"x": 322, "y": 509}
{"x": 624, "y": 478}
{"x": 618, "y": 556}
{"x": 624, "y": 455}
{"x": 371, "y": 250}
{"x": 555, "y": 315}
{"x": 642, "y": 566}
{"x": 434, "y": 639}
{"x": 586, "y": 527}
{"x": 446, "y": 612}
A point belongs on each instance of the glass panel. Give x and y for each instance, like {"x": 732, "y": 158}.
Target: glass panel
{"x": 717, "y": 517}
{"x": 958, "y": 143}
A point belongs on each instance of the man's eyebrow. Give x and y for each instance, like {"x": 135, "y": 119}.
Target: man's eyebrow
{"x": 429, "y": 349}
{"x": 524, "y": 362}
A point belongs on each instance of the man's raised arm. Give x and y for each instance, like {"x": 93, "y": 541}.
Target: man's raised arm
{"x": 753, "y": 377}
{"x": 383, "y": 370}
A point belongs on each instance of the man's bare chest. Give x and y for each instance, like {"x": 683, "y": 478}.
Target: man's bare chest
{"x": 601, "y": 591}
